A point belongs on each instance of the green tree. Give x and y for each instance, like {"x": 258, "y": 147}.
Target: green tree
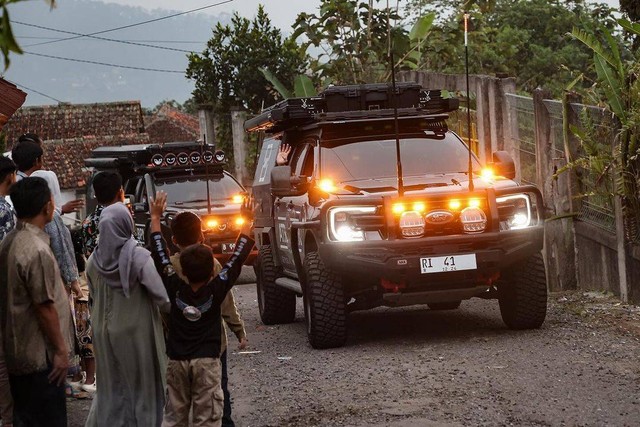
{"x": 504, "y": 38}
{"x": 618, "y": 87}
{"x": 352, "y": 37}
{"x": 8, "y": 42}
{"x": 227, "y": 73}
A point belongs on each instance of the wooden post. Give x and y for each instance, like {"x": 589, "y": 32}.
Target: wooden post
{"x": 623, "y": 248}
{"x": 558, "y": 248}
{"x": 572, "y": 147}
{"x": 623, "y": 274}
{"x": 542, "y": 133}
{"x": 483, "y": 119}
{"x": 506, "y": 121}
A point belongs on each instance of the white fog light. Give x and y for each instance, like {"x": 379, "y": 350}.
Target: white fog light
{"x": 412, "y": 224}
{"x": 348, "y": 234}
{"x": 473, "y": 220}
{"x": 519, "y": 208}
{"x": 519, "y": 220}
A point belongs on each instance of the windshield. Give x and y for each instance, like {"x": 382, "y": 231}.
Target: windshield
{"x": 373, "y": 159}
{"x": 194, "y": 190}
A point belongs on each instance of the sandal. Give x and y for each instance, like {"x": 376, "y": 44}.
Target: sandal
{"x": 70, "y": 393}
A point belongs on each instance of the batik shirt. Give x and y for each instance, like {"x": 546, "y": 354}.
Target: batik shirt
{"x": 90, "y": 232}
{"x": 7, "y": 218}
{"x": 30, "y": 277}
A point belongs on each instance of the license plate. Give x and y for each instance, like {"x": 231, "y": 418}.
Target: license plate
{"x": 442, "y": 264}
{"x": 228, "y": 248}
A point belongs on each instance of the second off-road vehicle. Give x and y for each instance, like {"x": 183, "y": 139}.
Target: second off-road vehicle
{"x": 193, "y": 176}
{"x": 383, "y": 206}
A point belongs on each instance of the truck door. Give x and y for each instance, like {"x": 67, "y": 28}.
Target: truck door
{"x": 289, "y": 210}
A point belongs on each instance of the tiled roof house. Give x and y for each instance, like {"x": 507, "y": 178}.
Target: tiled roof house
{"x": 11, "y": 98}
{"x": 172, "y": 125}
{"x": 71, "y": 131}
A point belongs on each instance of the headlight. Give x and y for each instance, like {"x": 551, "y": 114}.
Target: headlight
{"x": 341, "y": 226}
{"x": 514, "y": 211}
{"x": 211, "y": 223}
{"x": 223, "y": 223}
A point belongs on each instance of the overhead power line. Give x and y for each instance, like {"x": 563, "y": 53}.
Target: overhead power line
{"x": 136, "y": 24}
{"x": 128, "y": 40}
{"x": 97, "y": 38}
{"x": 159, "y": 70}
{"x": 35, "y": 91}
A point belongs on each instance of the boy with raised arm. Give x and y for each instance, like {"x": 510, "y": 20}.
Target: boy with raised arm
{"x": 195, "y": 329}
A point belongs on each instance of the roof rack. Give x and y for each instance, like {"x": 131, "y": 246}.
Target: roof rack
{"x": 352, "y": 102}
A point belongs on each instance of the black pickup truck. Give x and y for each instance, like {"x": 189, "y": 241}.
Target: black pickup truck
{"x": 339, "y": 226}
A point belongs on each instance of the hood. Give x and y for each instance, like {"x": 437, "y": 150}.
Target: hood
{"x": 201, "y": 208}
{"x": 413, "y": 185}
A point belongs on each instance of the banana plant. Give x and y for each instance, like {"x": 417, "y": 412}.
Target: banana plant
{"x": 619, "y": 83}
{"x": 302, "y": 85}
{"x": 417, "y": 41}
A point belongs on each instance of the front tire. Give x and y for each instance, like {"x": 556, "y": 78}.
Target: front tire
{"x": 276, "y": 305}
{"x": 522, "y": 294}
{"x": 325, "y": 307}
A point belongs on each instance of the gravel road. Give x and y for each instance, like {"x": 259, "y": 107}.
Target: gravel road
{"x": 417, "y": 367}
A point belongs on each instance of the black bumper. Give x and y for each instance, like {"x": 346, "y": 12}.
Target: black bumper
{"x": 399, "y": 260}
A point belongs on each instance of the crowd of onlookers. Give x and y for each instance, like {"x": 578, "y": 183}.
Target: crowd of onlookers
{"x": 139, "y": 330}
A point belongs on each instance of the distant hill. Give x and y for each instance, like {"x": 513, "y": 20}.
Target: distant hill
{"x": 86, "y": 83}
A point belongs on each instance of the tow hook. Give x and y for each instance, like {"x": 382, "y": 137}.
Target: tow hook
{"x": 392, "y": 286}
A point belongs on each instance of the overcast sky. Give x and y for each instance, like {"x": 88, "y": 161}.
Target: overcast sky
{"x": 281, "y": 12}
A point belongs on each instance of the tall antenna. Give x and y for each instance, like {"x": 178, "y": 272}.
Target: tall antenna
{"x": 466, "y": 67}
{"x": 395, "y": 106}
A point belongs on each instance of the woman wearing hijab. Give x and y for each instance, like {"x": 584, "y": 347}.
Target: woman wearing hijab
{"x": 126, "y": 292}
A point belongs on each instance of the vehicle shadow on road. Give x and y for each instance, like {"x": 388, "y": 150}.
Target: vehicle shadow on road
{"x": 473, "y": 320}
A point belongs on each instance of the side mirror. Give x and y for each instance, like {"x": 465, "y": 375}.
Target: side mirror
{"x": 503, "y": 164}
{"x": 283, "y": 184}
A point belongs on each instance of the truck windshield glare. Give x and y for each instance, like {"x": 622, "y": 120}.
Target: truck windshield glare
{"x": 377, "y": 158}
{"x": 195, "y": 190}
